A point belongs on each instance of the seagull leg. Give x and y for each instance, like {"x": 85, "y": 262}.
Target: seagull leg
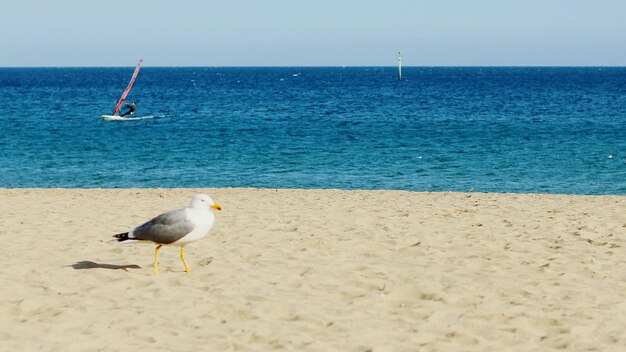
{"x": 182, "y": 256}
{"x": 156, "y": 258}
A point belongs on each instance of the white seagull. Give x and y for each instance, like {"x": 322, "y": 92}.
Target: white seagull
{"x": 176, "y": 227}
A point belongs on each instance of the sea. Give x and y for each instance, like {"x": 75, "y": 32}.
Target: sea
{"x": 557, "y": 130}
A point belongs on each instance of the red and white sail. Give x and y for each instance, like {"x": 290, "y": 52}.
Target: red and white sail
{"x": 130, "y": 85}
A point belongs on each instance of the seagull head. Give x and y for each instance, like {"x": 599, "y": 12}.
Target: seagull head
{"x": 201, "y": 200}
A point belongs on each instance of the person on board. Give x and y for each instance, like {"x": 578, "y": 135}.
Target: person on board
{"x": 131, "y": 109}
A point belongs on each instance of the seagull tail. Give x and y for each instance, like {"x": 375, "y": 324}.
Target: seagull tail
{"x": 121, "y": 237}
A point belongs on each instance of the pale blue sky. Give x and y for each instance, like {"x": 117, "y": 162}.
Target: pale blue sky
{"x": 312, "y": 32}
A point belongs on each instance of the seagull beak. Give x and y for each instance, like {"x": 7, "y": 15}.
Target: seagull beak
{"x": 216, "y": 206}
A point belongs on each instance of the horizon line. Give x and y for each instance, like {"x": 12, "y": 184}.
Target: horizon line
{"x": 333, "y": 66}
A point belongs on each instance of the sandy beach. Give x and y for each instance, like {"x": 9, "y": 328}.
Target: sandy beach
{"x": 315, "y": 270}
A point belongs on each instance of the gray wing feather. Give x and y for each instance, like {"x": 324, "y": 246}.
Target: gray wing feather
{"x": 166, "y": 228}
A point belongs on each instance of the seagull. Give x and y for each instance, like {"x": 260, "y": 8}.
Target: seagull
{"x": 176, "y": 227}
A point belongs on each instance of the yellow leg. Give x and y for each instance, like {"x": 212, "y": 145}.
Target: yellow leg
{"x": 156, "y": 258}
{"x": 182, "y": 256}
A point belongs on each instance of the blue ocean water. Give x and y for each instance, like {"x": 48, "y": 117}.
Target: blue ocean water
{"x": 489, "y": 129}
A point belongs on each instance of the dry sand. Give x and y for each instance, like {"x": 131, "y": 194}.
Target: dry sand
{"x": 315, "y": 270}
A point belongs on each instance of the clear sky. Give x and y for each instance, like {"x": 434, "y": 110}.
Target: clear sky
{"x": 313, "y": 32}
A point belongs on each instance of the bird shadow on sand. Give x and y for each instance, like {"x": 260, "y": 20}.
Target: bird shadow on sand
{"x": 86, "y": 264}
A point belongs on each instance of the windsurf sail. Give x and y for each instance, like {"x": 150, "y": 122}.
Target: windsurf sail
{"x": 130, "y": 85}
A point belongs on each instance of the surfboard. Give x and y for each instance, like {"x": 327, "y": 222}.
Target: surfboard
{"x": 116, "y": 116}
{"x": 120, "y": 118}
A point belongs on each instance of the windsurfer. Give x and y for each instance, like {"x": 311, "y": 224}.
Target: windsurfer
{"x": 131, "y": 109}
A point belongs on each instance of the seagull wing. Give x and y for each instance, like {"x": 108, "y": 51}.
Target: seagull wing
{"x": 166, "y": 228}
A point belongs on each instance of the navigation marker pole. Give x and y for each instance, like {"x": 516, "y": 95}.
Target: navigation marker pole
{"x": 399, "y": 66}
